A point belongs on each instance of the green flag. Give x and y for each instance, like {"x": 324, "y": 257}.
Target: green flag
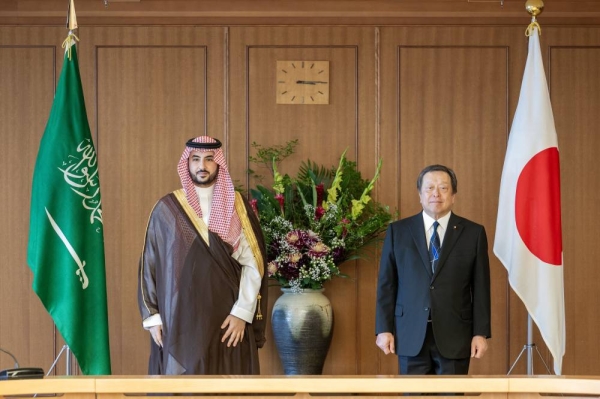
{"x": 66, "y": 239}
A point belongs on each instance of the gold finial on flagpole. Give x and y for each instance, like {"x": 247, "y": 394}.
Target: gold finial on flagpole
{"x": 72, "y": 26}
{"x": 71, "y": 17}
{"x": 534, "y": 8}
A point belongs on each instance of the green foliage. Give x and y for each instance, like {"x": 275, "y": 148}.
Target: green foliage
{"x": 317, "y": 220}
{"x": 267, "y": 156}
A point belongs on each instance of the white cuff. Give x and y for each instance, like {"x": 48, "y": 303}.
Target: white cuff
{"x": 152, "y": 321}
{"x": 243, "y": 314}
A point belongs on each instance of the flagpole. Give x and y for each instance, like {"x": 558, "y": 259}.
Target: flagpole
{"x": 530, "y": 345}
{"x": 528, "y": 238}
{"x": 534, "y": 8}
{"x": 71, "y": 26}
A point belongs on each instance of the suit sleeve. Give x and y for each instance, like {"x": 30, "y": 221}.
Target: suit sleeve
{"x": 387, "y": 287}
{"x": 481, "y": 289}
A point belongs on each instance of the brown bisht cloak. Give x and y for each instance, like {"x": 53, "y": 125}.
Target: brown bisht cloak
{"x": 187, "y": 275}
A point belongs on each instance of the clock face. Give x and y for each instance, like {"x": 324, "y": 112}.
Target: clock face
{"x": 302, "y": 82}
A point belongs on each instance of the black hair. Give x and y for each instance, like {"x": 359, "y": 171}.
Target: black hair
{"x": 438, "y": 168}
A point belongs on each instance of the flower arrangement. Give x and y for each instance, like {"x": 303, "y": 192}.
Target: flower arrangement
{"x": 315, "y": 221}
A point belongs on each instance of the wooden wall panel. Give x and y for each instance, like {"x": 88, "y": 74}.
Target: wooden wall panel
{"x": 27, "y": 67}
{"x": 451, "y": 131}
{"x": 413, "y": 95}
{"x": 448, "y": 101}
{"x": 321, "y": 129}
{"x": 151, "y": 89}
{"x": 140, "y": 142}
{"x": 325, "y": 131}
{"x": 27, "y": 86}
{"x": 575, "y": 98}
{"x": 570, "y": 57}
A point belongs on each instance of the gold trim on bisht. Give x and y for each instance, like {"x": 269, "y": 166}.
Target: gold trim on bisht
{"x": 197, "y": 221}
{"x": 240, "y": 208}
{"x": 249, "y": 233}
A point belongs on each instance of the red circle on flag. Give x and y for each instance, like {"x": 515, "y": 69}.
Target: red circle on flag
{"x": 537, "y": 206}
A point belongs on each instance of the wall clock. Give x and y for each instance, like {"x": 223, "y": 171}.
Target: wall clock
{"x": 302, "y": 82}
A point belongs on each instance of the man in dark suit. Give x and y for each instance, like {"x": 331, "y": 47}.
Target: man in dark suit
{"x": 433, "y": 292}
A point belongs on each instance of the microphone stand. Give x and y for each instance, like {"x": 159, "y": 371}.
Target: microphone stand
{"x": 18, "y": 373}
{"x": 11, "y": 355}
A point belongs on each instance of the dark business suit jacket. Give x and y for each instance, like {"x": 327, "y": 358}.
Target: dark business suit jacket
{"x": 457, "y": 296}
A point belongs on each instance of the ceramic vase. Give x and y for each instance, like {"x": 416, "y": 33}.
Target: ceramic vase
{"x": 302, "y": 325}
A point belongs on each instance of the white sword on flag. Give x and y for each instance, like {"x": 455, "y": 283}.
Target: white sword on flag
{"x": 80, "y": 272}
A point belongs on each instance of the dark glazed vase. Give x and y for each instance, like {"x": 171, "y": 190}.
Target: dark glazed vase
{"x": 302, "y": 325}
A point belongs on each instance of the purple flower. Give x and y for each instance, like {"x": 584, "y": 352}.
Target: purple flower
{"x": 294, "y": 238}
{"x": 318, "y": 250}
{"x": 338, "y": 255}
{"x": 272, "y": 251}
{"x": 310, "y": 237}
{"x": 289, "y": 271}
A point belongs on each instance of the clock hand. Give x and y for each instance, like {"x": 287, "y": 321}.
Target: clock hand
{"x": 309, "y": 82}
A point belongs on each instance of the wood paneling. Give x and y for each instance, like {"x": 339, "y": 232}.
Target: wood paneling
{"x": 447, "y": 101}
{"x": 452, "y": 131}
{"x": 151, "y": 98}
{"x": 27, "y": 66}
{"x": 570, "y": 57}
{"x": 575, "y": 94}
{"x": 413, "y": 95}
{"x": 296, "y": 12}
{"x": 325, "y": 131}
{"x": 140, "y": 138}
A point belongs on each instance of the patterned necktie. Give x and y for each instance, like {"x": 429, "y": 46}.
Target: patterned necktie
{"x": 434, "y": 247}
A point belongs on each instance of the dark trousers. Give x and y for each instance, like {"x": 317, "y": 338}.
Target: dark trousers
{"x": 430, "y": 361}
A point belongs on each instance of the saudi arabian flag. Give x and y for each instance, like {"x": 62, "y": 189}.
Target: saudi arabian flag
{"x": 66, "y": 241}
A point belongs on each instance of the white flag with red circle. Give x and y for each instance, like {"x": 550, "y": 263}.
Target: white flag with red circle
{"x": 528, "y": 230}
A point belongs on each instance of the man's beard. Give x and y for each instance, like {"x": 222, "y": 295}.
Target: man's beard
{"x": 208, "y": 181}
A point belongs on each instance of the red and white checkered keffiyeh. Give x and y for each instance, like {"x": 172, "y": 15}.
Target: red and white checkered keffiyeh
{"x": 223, "y": 221}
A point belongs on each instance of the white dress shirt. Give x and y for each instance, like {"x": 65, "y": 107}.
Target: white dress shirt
{"x": 441, "y": 230}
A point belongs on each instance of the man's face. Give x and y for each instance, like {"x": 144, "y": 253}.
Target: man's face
{"x": 203, "y": 168}
{"x": 436, "y": 196}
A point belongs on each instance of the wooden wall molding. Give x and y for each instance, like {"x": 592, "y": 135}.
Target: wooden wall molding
{"x": 310, "y": 12}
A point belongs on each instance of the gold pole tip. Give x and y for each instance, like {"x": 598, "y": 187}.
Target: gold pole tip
{"x": 534, "y": 7}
